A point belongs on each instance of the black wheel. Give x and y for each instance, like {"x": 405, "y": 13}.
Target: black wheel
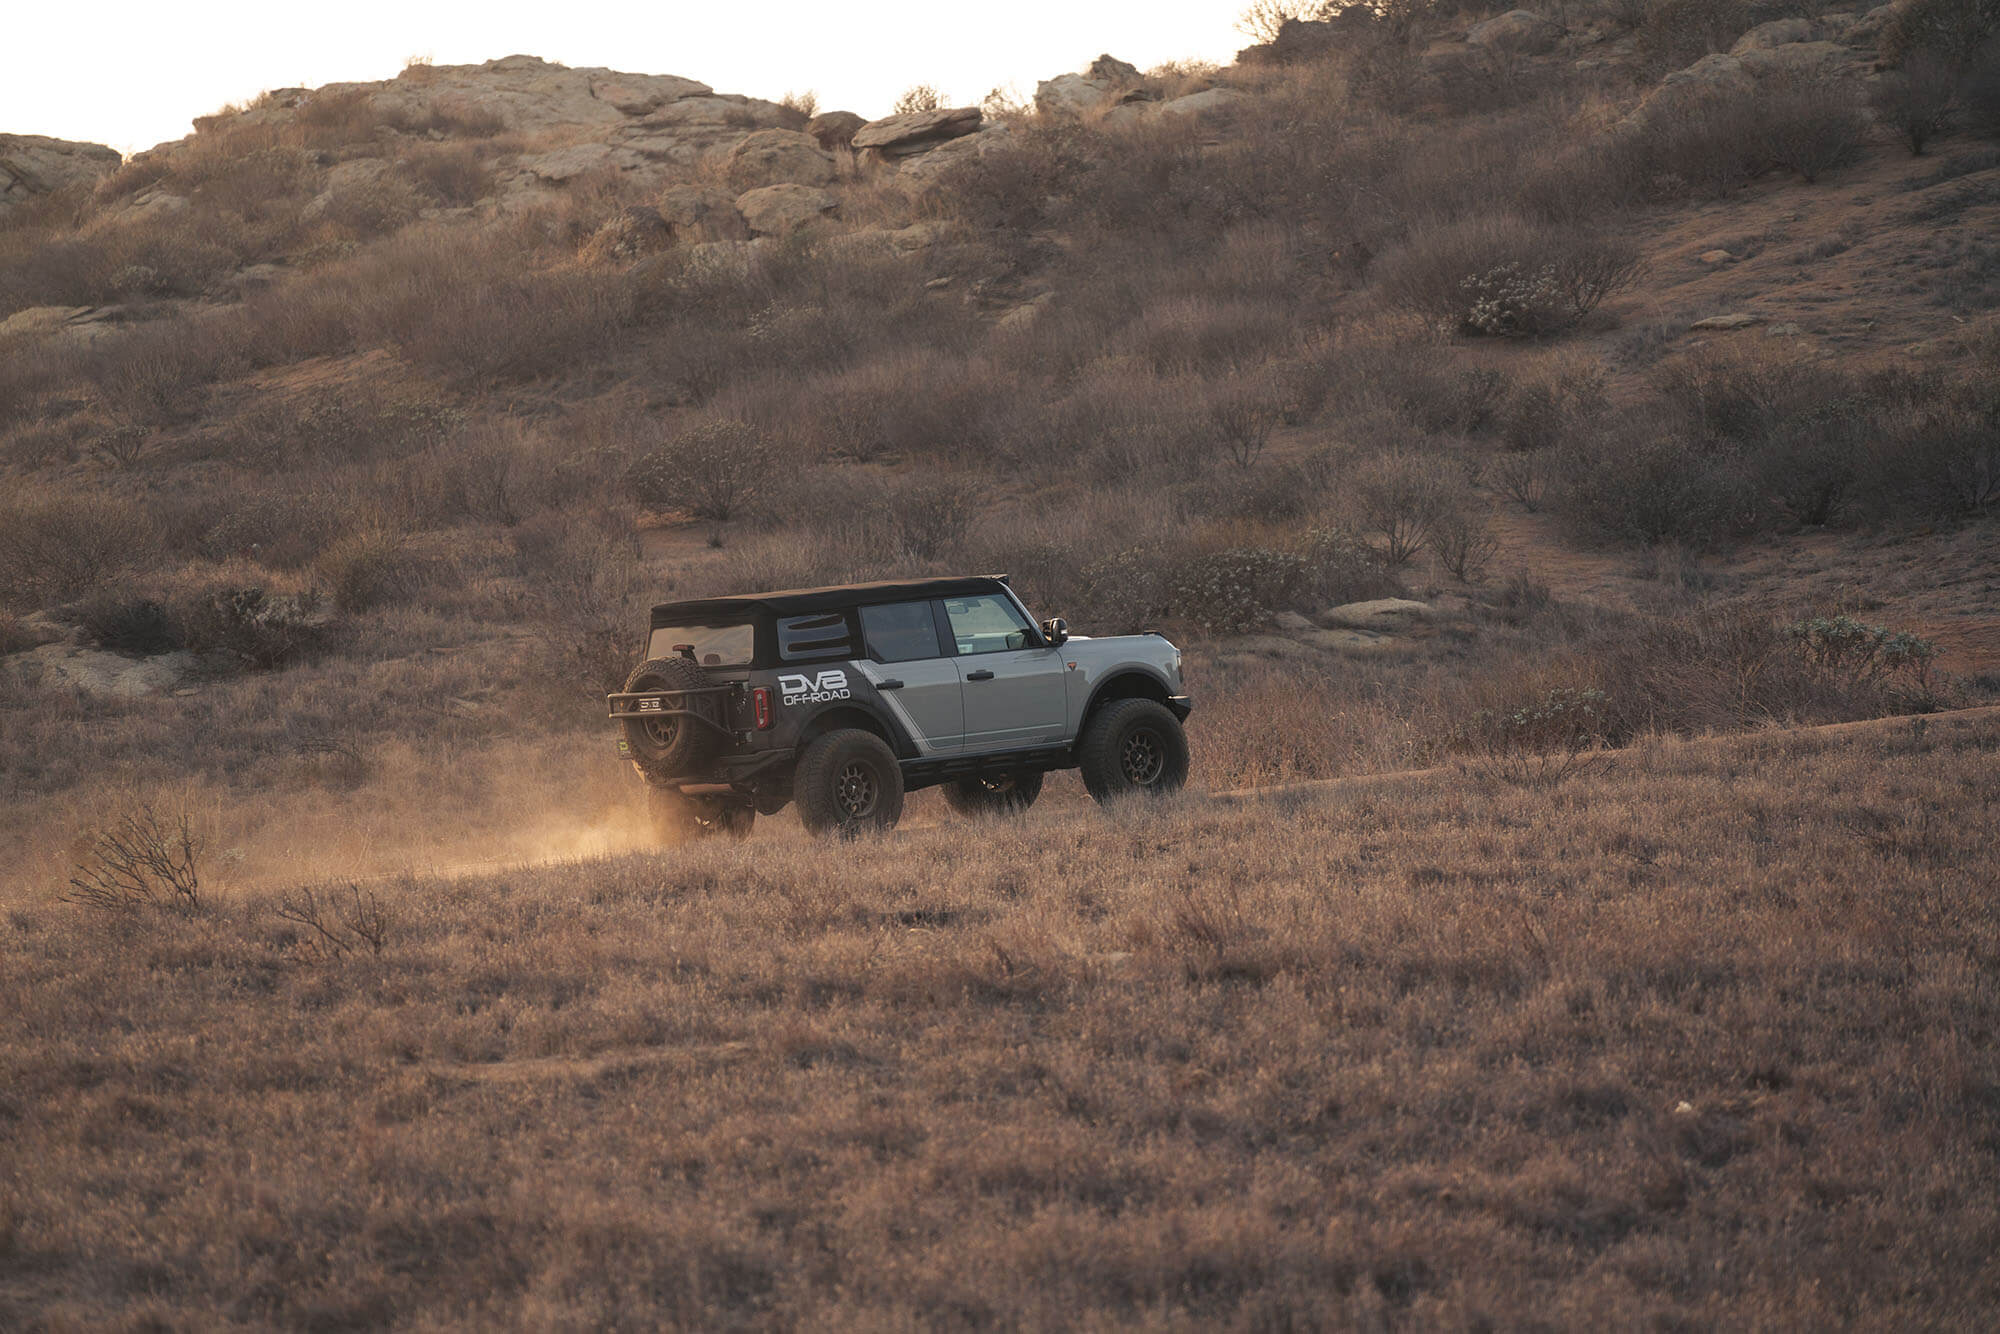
{"x": 678, "y": 818}
{"x": 1007, "y": 794}
{"x": 1132, "y": 745}
{"x": 670, "y": 746}
{"x": 848, "y": 782}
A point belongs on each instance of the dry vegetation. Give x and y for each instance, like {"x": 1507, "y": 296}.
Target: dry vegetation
{"x": 391, "y": 471}
{"x": 1703, "y": 1038}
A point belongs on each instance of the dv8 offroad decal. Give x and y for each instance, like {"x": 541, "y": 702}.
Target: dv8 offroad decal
{"x": 800, "y": 689}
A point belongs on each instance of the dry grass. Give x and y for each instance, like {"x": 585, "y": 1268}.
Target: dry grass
{"x": 1703, "y": 1041}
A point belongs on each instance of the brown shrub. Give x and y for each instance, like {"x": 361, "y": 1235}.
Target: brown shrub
{"x": 57, "y": 547}
{"x": 1917, "y": 100}
{"x": 1402, "y": 500}
{"x": 1674, "y": 33}
{"x": 707, "y": 470}
{"x": 371, "y": 568}
{"x": 155, "y": 374}
{"x": 456, "y": 175}
{"x": 1811, "y": 126}
{"x": 1950, "y": 30}
{"x": 1635, "y": 483}
{"x": 1702, "y": 142}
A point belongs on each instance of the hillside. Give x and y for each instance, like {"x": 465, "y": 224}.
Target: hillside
{"x": 347, "y": 439}
{"x": 1703, "y": 1039}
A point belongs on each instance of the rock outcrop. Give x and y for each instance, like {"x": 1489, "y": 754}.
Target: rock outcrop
{"x": 778, "y": 157}
{"x": 33, "y": 165}
{"x": 904, "y": 136}
{"x": 780, "y": 210}
{"x": 1517, "y": 32}
{"x": 1107, "y": 82}
{"x": 834, "y": 129}
{"x": 642, "y": 128}
{"x": 702, "y": 213}
{"x": 81, "y": 324}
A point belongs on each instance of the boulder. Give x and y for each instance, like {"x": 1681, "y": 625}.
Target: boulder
{"x": 1866, "y": 30}
{"x": 1113, "y": 71}
{"x": 1736, "y": 320}
{"x": 1201, "y": 103}
{"x": 640, "y": 94}
{"x": 918, "y": 172}
{"x": 629, "y": 234}
{"x": 834, "y": 129}
{"x": 702, "y": 212}
{"x": 1517, "y": 32}
{"x": 1797, "y": 60}
{"x": 96, "y": 672}
{"x": 779, "y": 210}
{"x": 1381, "y": 615}
{"x": 1072, "y": 95}
{"x": 83, "y": 324}
{"x": 1712, "y": 258}
{"x": 1710, "y": 74}
{"x": 33, "y": 165}
{"x": 778, "y": 157}
{"x": 559, "y": 166}
{"x": 1778, "y": 32}
{"x": 1300, "y": 40}
{"x": 917, "y": 132}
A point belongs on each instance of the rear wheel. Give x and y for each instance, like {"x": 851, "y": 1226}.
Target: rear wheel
{"x": 1006, "y": 794}
{"x": 1132, "y": 745}
{"x": 848, "y": 783}
{"x": 673, "y": 744}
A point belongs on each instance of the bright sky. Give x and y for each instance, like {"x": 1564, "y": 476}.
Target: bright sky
{"x": 132, "y": 74}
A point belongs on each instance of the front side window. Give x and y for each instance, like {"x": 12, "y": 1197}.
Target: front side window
{"x": 987, "y": 623}
{"x": 900, "y": 631}
{"x": 713, "y": 645}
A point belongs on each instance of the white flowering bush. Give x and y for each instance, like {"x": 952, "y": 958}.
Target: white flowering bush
{"x": 1846, "y": 650}
{"x": 1507, "y": 277}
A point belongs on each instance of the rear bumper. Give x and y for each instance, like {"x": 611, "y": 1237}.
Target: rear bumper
{"x": 1181, "y": 705}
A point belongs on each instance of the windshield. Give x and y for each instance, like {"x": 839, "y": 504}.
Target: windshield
{"x": 714, "y": 645}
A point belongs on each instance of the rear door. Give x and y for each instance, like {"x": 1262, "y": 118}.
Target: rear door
{"x": 906, "y": 665}
{"x": 1016, "y": 692}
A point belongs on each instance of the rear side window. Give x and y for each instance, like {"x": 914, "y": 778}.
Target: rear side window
{"x": 900, "y": 631}
{"x": 823, "y": 635}
{"x": 713, "y": 645}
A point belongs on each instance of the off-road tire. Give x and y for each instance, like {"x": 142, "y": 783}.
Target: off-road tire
{"x": 848, "y": 783}
{"x": 670, "y": 747}
{"x": 1009, "y": 794}
{"x": 1132, "y": 745}
{"x": 678, "y": 818}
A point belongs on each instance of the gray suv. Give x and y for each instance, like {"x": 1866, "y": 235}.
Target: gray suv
{"x": 842, "y": 699}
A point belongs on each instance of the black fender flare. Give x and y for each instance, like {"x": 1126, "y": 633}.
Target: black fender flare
{"x": 1134, "y": 682}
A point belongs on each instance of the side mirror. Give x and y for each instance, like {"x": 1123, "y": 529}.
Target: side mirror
{"x": 1056, "y": 631}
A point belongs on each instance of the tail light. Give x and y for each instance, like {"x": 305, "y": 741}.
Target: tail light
{"x": 760, "y": 707}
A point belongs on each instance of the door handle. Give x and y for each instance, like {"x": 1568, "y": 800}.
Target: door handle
{"x": 981, "y": 675}
{"x": 891, "y": 684}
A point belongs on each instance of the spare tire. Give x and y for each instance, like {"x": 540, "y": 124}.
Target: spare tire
{"x": 672, "y": 745}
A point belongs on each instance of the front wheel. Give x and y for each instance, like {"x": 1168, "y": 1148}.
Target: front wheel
{"x": 1008, "y": 794}
{"x": 1132, "y": 745}
{"x": 848, "y": 783}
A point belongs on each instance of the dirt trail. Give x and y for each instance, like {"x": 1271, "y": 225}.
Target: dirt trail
{"x": 1945, "y": 723}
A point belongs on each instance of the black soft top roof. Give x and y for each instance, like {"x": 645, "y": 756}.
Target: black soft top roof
{"x": 803, "y": 601}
